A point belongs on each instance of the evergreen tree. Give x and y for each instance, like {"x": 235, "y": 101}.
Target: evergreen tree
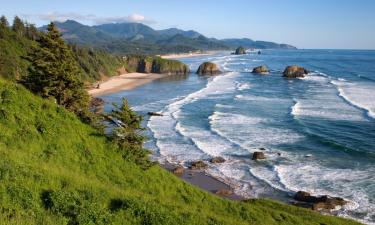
{"x": 128, "y": 134}
{"x": 31, "y": 32}
{"x": 3, "y": 27}
{"x": 55, "y": 73}
{"x": 3, "y": 22}
{"x": 18, "y": 26}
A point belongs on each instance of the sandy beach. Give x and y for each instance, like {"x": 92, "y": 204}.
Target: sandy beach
{"x": 185, "y": 55}
{"x": 122, "y": 82}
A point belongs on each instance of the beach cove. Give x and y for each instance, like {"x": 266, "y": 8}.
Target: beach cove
{"x": 226, "y": 129}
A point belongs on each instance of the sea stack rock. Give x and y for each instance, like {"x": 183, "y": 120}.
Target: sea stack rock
{"x": 294, "y": 72}
{"x": 324, "y": 202}
{"x": 217, "y": 159}
{"x": 179, "y": 170}
{"x": 258, "y": 156}
{"x": 198, "y": 165}
{"x": 208, "y": 68}
{"x": 261, "y": 70}
{"x": 240, "y": 51}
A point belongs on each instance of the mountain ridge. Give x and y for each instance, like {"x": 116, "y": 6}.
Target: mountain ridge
{"x": 125, "y": 37}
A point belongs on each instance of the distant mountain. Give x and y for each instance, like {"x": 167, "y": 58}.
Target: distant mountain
{"x": 128, "y": 30}
{"x": 175, "y": 31}
{"x": 200, "y": 42}
{"x": 123, "y": 38}
{"x": 248, "y": 43}
{"x": 78, "y": 33}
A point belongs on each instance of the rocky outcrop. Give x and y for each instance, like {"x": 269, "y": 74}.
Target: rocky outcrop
{"x": 224, "y": 192}
{"x": 258, "y": 156}
{"x": 208, "y": 68}
{"x": 154, "y": 64}
{"x": 198, "y": 165}
{"x": 261, "y": 70}
{"x": 324, "y": 202}
{"x": 97, "y": 105}
{"x": 154, "y": 114}
{"x": 294, "y": 72}
{"x": 240, "y": 51}
{"x": 179, "y": 170}
{"x": 217, "y": 160}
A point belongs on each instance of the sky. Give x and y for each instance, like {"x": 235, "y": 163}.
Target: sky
{"x": 323, "y": 24}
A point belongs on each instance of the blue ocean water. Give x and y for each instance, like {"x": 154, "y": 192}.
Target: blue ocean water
{"x": 328, "y": 116}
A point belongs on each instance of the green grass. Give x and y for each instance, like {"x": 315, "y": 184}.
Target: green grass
{"x": 56, "y": 170}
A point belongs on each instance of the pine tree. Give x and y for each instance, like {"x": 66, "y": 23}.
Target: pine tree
{"x": 3, "y": 22}
{"x": 3, "y": 27}
{"x": 55, "y": 73}
{"x": 18, "y": 26}
{"x": 31, "y": 32}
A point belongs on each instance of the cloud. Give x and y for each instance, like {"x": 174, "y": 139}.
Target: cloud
{"x": 61, "y": 17}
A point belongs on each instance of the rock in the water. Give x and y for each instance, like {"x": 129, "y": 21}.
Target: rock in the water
{"x": 97, "y": 105}
{"x": 224, "y": 192}
{"x": 319, "y": 202}
{"x": 261, "y": 70}
{"x": 294, "y": 72}
{"x": 154, "y": 114}
{"x": 217, "y": 160}
{"x": 208, "y": 68}
{"x": 198, "y": 165}
{"x": 240, "y": 51}
{"x": 179, "y": 170}
{"x": 258, "y": 156}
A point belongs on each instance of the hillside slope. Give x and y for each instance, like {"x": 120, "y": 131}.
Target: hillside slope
{"x": 56, "y": 170}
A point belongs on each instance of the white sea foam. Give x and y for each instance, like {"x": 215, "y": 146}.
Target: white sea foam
{"x": 359, "y": 94}
{"x": 319, "y": 180}
{"x": 250, "y": 132}
{"x": 243, "y": 86}
{"x": 169, "y": 132}
{"x": 321, "y": 101}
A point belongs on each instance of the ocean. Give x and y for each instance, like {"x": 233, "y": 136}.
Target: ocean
{"x": 318, "y": 131}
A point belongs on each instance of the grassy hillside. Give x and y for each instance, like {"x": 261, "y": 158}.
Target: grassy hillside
{"x": 56, "y": 170}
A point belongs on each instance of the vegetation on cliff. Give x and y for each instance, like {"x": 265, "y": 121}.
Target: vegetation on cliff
{"x": 21, "y": 39}
{"x": 154, "y": 64}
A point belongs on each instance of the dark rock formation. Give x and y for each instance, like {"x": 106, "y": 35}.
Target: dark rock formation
{"x": 319, "y": 202}
{"x": 224, "y": 192}
{"x": 154, "y": 114}
{"x": 294, "y": 72}
{"x": 97, "y": 105}
{"x": 198, "y": 165}
{"x": 155, "y": 64}
{"x": 217, "y": 160}
{"x": 208, "y": 68}
{"x": 258, "y": 156}
{"x": 179, "y": 170}
{"x": 240, "y": 51}
{"x": 260, "y": 70}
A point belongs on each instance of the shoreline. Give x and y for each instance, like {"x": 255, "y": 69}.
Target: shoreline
{"x": 187, "y": 55}
{"x": 129, "y": 81}
{"x": 204, "y": 181}
{"x": 124, "y": 82}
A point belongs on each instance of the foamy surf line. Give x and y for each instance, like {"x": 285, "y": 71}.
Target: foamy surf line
{"x": 362, "y": 97}
{"x": 170, "y": 134}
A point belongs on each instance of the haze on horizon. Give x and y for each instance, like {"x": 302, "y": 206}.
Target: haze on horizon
{"x": 334, "y": 24}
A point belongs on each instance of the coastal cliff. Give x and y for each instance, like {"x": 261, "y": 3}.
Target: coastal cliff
{"x": 154, "y": 64}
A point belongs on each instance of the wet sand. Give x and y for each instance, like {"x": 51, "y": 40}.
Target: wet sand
{"x": 204, "y": 181}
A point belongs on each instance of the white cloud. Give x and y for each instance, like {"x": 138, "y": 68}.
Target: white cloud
{"x": 57, "y": 16}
